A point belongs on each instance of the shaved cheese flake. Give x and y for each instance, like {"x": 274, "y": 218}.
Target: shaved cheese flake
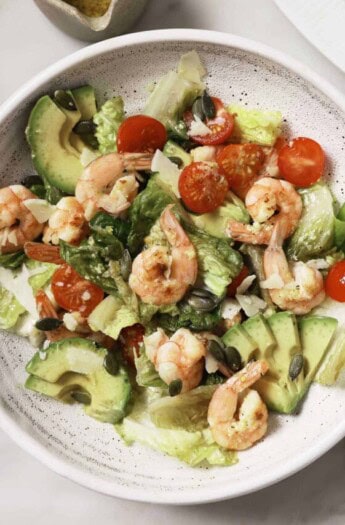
{"x": 40, "y": 209}
{"x": 251, "y": 304}
{"x": 245, "y": 284}
{"x": 197, "y": 127}
{"x": 229, "y": 308}
{"x": 211, "y": 364}
{"x": 274, "y": 282}
{"x": 167, "y": 169}
{"x": 318, "y": 264}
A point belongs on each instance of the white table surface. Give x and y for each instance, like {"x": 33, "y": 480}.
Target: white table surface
{"x": 29, "y": 492}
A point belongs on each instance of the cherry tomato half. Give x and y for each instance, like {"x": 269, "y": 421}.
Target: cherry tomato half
{"x": 202, "y": 187}
{"x": 241, "y": 163}
{"x": 221, "y": 126}
{"x": 73, "y": 293}
{"x": 235, "y": 283}
{"x": 140, "y": 134}
{"x": 131, "y": 337}
{"x": 301, "y": 162}
{"x": 335, "y": 282}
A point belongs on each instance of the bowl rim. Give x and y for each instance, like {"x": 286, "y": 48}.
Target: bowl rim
{"x": 10, "y": 426}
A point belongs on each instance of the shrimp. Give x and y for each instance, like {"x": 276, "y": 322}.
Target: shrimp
{"x": 104, "y": 186}
{"x": 180, "y": 357}
{"x": 301, "y": 287}
{"x": 66, "y": 223}
{"x": 160, "y": 276}
{"x": 17, "y": 224}
{"x": 236, "y": 414}
{"x": 268, "y": 201}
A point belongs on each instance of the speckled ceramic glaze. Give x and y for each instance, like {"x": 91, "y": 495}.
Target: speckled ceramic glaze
{"x": 62, "y": 436}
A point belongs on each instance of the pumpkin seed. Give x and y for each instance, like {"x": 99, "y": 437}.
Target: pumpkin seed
{"x": 233, "y": 358}
{"x": 81, "y": 397}
{"x": 177, "y": 161}
{"x": 111, "y": 364}
{"x": 48, "y": 323}
{"x": 126, "y": 265}
{"x": 201, "y": 304}
{"x": 208, "y": 106}
{"x": 296, "y": 366}
{"x": 197, "y": 109}
{"x": 32, "y": 180}
{"x": 83, "y": 127}
{"x": 175, "y": 387}
{"x": 65, "y": 100}
{"x": 217, "y": 351}
{"x": 91, "y": 140}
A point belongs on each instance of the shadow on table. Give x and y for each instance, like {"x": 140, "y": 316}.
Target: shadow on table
{"x": 315, "y": 495}
{"x": 162, "y": 14}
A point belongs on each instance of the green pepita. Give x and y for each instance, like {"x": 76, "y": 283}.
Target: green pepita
{"x": 111, "y": 364}
{"x": 217, "y": 351}
{"x": 83, "y": 127}
{"x": 197, "y": 109}
{"x": 48, "y": 323}
{"x": 233, "y": 358}
{"x": 208, "y": 106}
{"x": 126, "y": 265}
{"x": 175, "y": 387}
{"x": 296, "y": 366}
{"x": 202, "y": 300}
{"x": 81, "y": 397}
{"x": 65, "y": 100}
{"x": 177, "y": 161}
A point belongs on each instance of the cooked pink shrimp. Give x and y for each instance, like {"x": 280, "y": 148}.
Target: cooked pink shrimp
{"x": 162, "y": 276}
{"x": 66, "y": 223}
{"x": 237, "y": 415}
{"x": 301, "y": 286}
{"x": 17, "y": 224}
{"x": 104, "y": 185}
{"x": 180, "y": 357}
{"x": 268, "y": 201}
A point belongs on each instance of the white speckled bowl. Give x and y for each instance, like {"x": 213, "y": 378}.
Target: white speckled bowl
{"x": 62, "y": 436}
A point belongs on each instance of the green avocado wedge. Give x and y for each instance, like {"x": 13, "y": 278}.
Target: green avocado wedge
{"x": 73, "y": 369}
{"x": 46, "y": 134}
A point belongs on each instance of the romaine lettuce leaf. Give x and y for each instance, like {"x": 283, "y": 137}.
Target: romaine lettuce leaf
{"x": 91, "y": 260}
{"x": 147, "y": 376}
{"x": 111, "y": 316}
{"x": 188, "y": 317}
{"x": 12, "y": 260}
{"x": 108, "y": 120}
{"x": 176, "y": 91}
{"x": 191, "y": 447}
{"x": 10, "y": 309}
{"x": 315, "y": 231}
{"x": 12, "y": 305}
{"x": 186, "y": 411}
{"x": 254, "y": 125}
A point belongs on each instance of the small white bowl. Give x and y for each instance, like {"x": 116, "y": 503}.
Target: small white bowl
{"x": 118, "y": 19}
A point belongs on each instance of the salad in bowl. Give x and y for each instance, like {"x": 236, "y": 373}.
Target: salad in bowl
{"x": 171, "y": 267}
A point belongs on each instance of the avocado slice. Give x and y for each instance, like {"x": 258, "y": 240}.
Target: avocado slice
{"x": 311, "y": 337}
{"x": 239, "y": 338}
{"x": 85, "y": 99}
{"x": 316, "y": 335}
{"x": 171, "y": 149}
{"x": 52, "y": 161}
{"x": 76, "y": 365}
{"x": 260, "y": 331}
{"x": 72, "y": 117}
